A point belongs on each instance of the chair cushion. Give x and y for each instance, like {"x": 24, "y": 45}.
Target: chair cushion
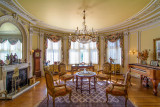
{"x": 102, "y": 76}
{"x": 117, "y": 90}
{"x": 67, "y": 76}
{"x": 61, "y": 91}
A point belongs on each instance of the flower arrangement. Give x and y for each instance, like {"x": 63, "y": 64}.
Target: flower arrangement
{"x": 143, "y": 55}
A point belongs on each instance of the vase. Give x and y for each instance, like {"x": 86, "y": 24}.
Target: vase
{"x": 144, "y": 62}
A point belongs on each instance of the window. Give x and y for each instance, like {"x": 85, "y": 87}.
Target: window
{"x": 114, "y": 51}
{"x": 87, "y": 53}
{"x": 7, "y": 48}
{"x": 53, "y": 53}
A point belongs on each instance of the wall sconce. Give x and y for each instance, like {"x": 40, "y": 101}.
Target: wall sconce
{"x": 31, "y": 52}
{"x": 133, "y": 51}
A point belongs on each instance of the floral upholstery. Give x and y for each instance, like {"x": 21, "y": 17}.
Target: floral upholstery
{"x": 115, "y": 90}
{"x": 102, "y": 76}
{"x": 61, "y": 91}
{"x": 106, "y": 72}
{"x": 63, "y": 73}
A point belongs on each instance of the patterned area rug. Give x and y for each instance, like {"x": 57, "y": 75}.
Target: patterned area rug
{"x": 94, "y": 99}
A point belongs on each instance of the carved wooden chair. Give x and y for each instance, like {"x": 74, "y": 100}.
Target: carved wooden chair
{"x": 106, "y": 72}
{"x": 55, "y": 90}
{"x": 119, "y": 89}
{"x": 63, "y": 73}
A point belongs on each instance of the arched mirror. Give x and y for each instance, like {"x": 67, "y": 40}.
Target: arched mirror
{"x": 10, "y": 41}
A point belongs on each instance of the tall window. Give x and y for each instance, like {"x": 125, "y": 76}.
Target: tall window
{"x": 53, "y": 53}
{"x": 87, "y": 53}
{"x": 7, "y": 48}
{"x": 114, "y": 51}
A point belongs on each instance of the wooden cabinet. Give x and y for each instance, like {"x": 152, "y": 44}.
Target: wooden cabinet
{"x": 37, "y": 56}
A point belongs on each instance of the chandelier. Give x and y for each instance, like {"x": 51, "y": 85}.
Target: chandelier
{"x": 84, "y": 35}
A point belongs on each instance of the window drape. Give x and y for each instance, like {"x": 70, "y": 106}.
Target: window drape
{"x": 7, "y": 48}
{"x": 87, "y": 53}
{"x": 53, "y": 52}
{"x": 114, "y": 51}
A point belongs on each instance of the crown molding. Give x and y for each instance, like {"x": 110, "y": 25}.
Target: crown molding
{"x": 146, "y": 16}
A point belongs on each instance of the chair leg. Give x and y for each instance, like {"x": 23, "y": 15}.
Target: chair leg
{"x": 126, "y": 98}
{"x": 70, "y": 94}
{"x": 73, "y": 79}
{"x": 47, "y": 98}
{"x": 53, "y": 102}
{"x": 106, "y": 97}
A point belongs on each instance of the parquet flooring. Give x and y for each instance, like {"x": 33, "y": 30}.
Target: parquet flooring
{"x": 138, "y": 95}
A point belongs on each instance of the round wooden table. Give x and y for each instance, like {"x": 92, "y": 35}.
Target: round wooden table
{"x": 81, "y": 75}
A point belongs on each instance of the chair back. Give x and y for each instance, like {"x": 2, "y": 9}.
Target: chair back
{"x": 127, "y": 78}
{"x": 107, "y": 68}
{"x": 62, "y": 68}
{"x": 49, "y": 81}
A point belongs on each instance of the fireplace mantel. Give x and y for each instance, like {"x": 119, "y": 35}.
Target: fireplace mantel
{"x": 5, "y": 69}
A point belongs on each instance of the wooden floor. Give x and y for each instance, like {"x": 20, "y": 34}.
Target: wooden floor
{"x": 138, "y": 95}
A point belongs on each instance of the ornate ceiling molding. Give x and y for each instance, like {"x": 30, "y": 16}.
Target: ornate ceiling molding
{"x": 147, "y": 15}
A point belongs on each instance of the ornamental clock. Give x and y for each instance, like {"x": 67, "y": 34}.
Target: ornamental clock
{"x": 37, "y": 56}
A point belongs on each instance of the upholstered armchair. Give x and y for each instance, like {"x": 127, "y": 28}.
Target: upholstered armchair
{"x": 55, "y": 90}
{"x": 106, "y": 72}
{"x": 63, "y": 73}
{"x": 117, "y": 89}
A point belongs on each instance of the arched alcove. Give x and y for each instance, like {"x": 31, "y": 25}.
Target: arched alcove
{"x": 12, "y": 29}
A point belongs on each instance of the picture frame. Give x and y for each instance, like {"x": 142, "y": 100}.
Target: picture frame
{"x": 154, "y": 63}
{"x": 156, "y": 49}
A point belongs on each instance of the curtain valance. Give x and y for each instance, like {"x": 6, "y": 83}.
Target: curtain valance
{"x": 114, "y": 38}
{"x": 13, "y": 39}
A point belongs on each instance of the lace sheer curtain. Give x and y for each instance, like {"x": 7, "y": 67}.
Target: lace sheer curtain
{"x": 114, "y": 51}
{"x": 87, "y": 53}
{"x": 53, "y": 53}
{"x": 7, "y": 48}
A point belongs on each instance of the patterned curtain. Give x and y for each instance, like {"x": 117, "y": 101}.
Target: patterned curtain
{"x": 12, "y": 41}
{"x": 53, "y": 39}
{"x": 114, "y": 38}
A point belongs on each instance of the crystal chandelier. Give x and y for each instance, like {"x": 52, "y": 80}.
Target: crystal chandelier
{"x": 84, "y": 35}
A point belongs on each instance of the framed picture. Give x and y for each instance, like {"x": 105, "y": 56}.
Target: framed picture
{"x": 157, "y": 49}
{"x": 154, "y": 63}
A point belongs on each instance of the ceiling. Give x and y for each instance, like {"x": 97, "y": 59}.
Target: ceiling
{"x": 67, "y": 14}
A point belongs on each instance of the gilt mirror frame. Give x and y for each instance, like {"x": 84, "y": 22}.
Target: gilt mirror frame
{"x": 23, "y": 30}
{"x": 156, "y": 47}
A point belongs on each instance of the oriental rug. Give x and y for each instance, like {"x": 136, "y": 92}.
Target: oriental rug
{"x": 94, "y": 99}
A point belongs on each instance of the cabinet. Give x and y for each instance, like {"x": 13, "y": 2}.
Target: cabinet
{"x": 37, "y": 56}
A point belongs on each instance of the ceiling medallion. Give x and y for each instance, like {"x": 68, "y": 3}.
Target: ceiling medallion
{"x": 84, "y": 35}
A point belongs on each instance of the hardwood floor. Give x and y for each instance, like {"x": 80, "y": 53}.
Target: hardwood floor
{"x": 138, "y": 95}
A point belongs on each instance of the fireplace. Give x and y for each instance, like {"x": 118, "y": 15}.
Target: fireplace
{"x": 23, "y": 79}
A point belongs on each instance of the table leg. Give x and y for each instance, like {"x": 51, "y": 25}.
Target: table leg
{"x": 89, "y": 85}
{"x": 81, "y": 83}
{"x": 95, "y": 83}
{"x": 76, "y": 82}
